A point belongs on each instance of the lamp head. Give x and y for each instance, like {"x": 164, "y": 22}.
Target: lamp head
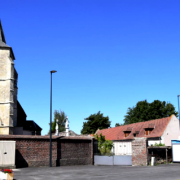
{"x": 53, "y": 71}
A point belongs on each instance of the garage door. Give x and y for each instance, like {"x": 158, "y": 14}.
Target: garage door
{"x": 7, "y": 153}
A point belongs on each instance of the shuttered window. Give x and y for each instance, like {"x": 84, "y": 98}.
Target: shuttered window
{"x": 126, "y": 133}
{"x": 148, "y": 131}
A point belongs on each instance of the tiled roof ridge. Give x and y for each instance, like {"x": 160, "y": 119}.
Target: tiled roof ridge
{"x": 136, "y": 123}
{"x": 116, "y": 133}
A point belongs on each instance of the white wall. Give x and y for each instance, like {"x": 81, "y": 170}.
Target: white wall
{"x": 152, "y": 142}
{"x": 172, "y": 131}
{"x": 122, "y": 148}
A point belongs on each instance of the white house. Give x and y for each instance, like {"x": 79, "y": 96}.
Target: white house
{"x": 156, "y": 131}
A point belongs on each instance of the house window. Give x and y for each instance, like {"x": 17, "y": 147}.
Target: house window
{"x": 135, "y": 134}
{"x": 148, "y": 131}
{"x": 126, "y": 133}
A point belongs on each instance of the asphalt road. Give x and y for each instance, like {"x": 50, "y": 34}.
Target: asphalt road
{"x": 161, "y": 172}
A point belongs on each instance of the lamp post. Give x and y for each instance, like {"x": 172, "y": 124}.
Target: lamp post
{"x": 50, "y": 144}
{"x": 178, "y": 110}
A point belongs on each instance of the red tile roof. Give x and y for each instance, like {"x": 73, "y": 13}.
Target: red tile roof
{"x": 117, "y": 133}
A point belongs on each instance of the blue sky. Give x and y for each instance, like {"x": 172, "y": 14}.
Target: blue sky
{"x": 109, "y": 54}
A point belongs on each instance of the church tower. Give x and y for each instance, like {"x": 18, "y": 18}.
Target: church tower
{"x": 12, "y": 115}
{"x": 8, "y": 87}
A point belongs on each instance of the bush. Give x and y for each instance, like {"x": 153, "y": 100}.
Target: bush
{"x": 160, "y": 144}
{"x": 104, "y": 146}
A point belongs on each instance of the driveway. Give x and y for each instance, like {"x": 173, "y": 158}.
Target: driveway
{"x": 161, "y": 172}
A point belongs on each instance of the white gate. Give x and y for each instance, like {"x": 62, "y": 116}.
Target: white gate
{"x": 7, "y": 153}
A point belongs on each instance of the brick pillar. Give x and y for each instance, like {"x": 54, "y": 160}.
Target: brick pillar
{"x": 139, "y": 152}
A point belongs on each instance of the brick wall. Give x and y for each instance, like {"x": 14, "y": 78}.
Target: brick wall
{"x": 139, "y": 152}
{"x": 34, "y": 150}
{"x": 75, "y": 152}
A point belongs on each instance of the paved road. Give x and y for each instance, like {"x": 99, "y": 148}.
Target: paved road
{"x": 161, "y": 172}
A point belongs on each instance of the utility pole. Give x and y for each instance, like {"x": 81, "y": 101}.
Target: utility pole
{"x": 50, "y": 133}
{"x": 178, "y": 111}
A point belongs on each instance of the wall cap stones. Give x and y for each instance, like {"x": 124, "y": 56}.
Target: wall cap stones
{"x": 43, "y": 137}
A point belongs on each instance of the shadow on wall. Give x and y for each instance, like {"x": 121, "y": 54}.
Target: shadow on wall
{"x": 20, "y": 161}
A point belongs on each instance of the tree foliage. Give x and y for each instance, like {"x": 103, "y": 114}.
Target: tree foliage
{"x": 61, "y": 116}
{"x": 94, "y": 122}
{"x": 104, "y": 146}
{"x": 117, "y": 124}
{"x": 144, "y": 111}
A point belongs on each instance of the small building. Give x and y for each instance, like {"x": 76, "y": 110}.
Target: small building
{"x": 156, "y": 131}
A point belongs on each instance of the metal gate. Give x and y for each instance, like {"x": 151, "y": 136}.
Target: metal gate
{"x": 113, "y": 160}
{"x": 121, "y": 154}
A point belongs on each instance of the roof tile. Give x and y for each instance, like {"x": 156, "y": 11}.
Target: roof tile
{"x": 117, "y": 133}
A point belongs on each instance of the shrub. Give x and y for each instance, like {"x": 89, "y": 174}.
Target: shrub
{"x": 104, "y": 146}
{"x": 160, "y": 144}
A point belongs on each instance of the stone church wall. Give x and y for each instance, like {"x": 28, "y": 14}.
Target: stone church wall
{"x": 6, "y": 92}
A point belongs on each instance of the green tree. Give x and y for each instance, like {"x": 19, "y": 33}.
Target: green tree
{"x": 117, "y": 124}
{"x": 144, "y": 111}
{"x": 104, "y": 146}
{"x": 61, "y": 116}
{"x": 94, "y": 122}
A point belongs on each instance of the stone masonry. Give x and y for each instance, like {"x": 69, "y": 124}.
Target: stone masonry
{"x": 139, "y": 152}
{"x": 7, "y": 90}
{"x": 8, "y": 87}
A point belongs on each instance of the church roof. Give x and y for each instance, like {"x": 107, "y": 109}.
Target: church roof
{"x": 3, "y": 42}
{"x": 31, "y": 126}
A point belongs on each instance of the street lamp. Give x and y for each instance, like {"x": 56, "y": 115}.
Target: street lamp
{"x": 50, "y": 145}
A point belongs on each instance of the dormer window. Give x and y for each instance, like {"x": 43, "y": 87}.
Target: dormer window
{"x": 148, "y": 131}
{"x": 135, "y": 134}
{"x": 126, "y": 133}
